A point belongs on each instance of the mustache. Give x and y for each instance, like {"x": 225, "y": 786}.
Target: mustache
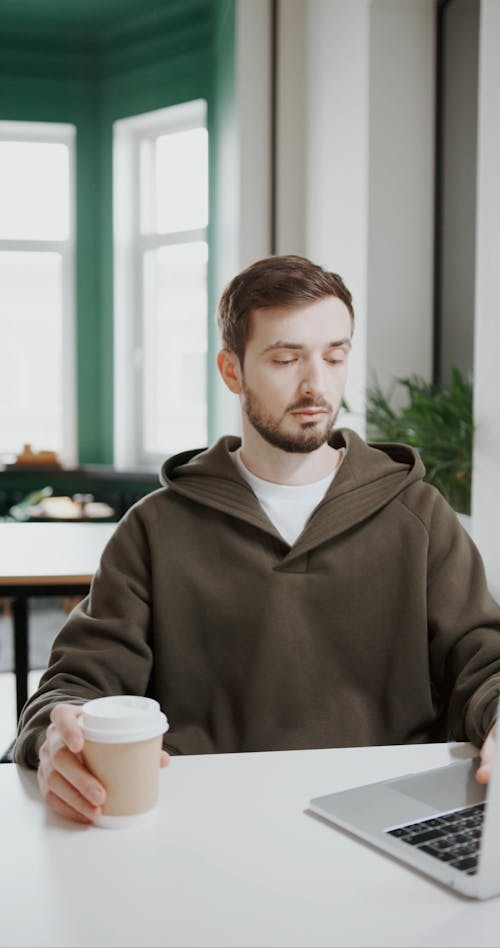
{"x": 310, "y": 403}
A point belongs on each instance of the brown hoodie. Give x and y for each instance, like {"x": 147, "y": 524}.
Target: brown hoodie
{"x": 375, "y": 627}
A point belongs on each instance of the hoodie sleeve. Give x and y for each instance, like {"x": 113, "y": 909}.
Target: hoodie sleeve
{"x": 464, "y": 628}
{"x": 103, "y": 647}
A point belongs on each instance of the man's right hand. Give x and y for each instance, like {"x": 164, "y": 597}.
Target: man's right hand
{"x": 67, "y": 786}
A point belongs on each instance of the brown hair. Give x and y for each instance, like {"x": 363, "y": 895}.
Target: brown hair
{"x": 274, "y": 281}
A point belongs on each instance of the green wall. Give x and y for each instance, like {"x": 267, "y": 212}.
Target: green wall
{"x": 146, "y": 63}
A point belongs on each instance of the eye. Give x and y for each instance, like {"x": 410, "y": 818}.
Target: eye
{"x": 336, "y": 358}
{"x": 288, "y": 361}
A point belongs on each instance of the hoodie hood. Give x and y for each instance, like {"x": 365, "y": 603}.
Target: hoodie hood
{"x": 370, "y": 477}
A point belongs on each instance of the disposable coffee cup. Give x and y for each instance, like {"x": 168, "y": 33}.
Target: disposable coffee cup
{"x": 123, "y": 739}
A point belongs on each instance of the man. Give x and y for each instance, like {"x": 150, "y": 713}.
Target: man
{"x": 296, "y": 589}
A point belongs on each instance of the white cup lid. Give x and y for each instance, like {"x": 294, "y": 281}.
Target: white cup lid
{"x": 119, "y": 719}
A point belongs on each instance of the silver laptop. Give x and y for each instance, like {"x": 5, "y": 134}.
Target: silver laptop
{"x": 441, "y": 822}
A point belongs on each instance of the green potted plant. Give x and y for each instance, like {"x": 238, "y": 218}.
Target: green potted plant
{"x": 437, "y": 420}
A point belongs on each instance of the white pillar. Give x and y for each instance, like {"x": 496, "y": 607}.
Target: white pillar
{"x": 253, "y": 84}
{"x": 355, "y": 170}
{"x": 337, "y": 162}
{"x": 243, "y": 168}
{"x": 292, "y": 144}
{"x": 401, "y": 190}
{"x": 486, "y": 470}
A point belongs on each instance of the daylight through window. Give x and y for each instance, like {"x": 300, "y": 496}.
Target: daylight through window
{"x": 36, "y": 288}
{"x": 161, "y": 253}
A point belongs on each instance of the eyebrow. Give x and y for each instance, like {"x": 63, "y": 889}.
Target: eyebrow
{"x": 282, "y": 344}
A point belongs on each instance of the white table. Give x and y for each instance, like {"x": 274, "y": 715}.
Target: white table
{"x": 45, "y": 559}
{"x": 231, "y": 859}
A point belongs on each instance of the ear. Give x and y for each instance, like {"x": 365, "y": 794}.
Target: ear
{"x": 230, "y": 370}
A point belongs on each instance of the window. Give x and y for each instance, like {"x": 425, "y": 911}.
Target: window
{"x": 161, "y": 252}
{"x": 36, "y": 288}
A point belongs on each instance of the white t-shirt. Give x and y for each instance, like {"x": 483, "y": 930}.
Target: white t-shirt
{"x": 287, "y": 506}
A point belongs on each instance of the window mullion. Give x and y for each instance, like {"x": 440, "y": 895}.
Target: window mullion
{"x": 33, "y": 246}
{"x": 153, "y": 241}
{"x": 137, "y": 354}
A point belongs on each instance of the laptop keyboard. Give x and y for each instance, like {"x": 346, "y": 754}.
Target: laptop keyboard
{"x": 451, "y": 837}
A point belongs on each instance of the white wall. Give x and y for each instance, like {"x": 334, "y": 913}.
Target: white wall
{"x": 355, "y": 170}
{"x": 336, "y": 50}
{"x": 458, "y": 209}
{"x": 291, "y": 119}
{"x": 322, "y": 152}
{"x": 243, "y": 171}
{"x": 400, "y": 190}
{"x": 486, "y": 494}
{"x": 253, "y": 83}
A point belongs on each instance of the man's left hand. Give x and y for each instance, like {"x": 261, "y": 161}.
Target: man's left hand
{"x": 483, "y": 774}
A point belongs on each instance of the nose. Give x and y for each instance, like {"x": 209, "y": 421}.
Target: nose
{"x": 313, "y": 381}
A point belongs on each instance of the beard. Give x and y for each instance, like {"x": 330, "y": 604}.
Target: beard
{"x": 311, "y": 436}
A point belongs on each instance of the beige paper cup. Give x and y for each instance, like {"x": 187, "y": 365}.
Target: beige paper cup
{"x": 123, "y": 739}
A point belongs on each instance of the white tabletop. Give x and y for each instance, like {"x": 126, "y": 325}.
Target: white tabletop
{"x": 45, "y": 553}
{"x": 230, "y": 859}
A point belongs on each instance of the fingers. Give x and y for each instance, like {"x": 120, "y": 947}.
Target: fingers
{"x": 62, "y": 809}
{"x": 484, "y": 771}
{"x": 63, "y": 795}
{"x": 60, "y": 794}
{"x": 63, "y": 763}
{"x": 483, "y": 774}
{"x": 65, "y": 716}
{"x": 164, "y": 759}
{"x": 66, "y": 785}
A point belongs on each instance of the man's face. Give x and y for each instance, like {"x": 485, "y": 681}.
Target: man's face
{"x": 294, "y": 373}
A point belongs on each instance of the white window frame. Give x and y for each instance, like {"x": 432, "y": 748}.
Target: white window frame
{"x": 130, "y": 245}
{"x": 65, "y": 134}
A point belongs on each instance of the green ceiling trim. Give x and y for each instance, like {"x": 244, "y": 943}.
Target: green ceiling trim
{"x": 44, "y": 63}
{"x": 189, "y": 42}
{"x": 164, "y": 39}
{"x": 173, "y": 17}
{"x": 94, "y": 25}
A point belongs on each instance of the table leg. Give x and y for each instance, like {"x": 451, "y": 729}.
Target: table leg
{"x": 20, "y": 617}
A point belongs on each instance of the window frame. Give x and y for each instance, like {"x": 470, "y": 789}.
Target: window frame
{"x": 61, "y": 133}
{"x": 130, "y": 245}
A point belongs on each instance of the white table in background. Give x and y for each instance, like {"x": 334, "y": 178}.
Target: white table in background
{"x": 45, "y": 559}
{"x": 231, "y": 859}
